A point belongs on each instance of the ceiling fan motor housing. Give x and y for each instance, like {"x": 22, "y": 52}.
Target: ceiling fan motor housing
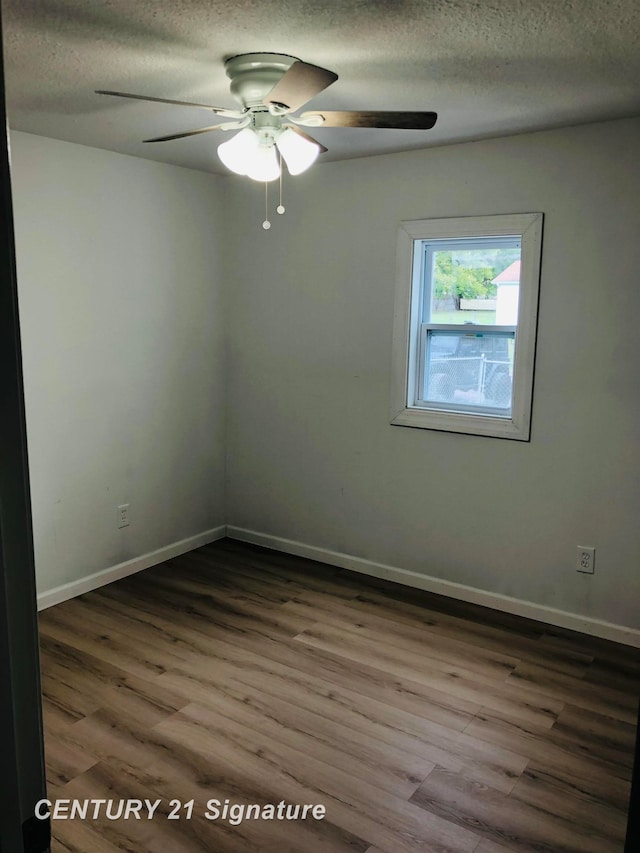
{"x": 253, "y": 75}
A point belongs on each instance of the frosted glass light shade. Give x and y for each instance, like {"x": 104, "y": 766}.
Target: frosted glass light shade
{"x": 263, "y": 165}
{"x": 298, "y": 153}
{"x": 238, "y": 152}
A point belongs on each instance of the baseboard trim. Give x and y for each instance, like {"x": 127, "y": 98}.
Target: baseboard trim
{"x": 130, "y": 567}
{"x": 518, "y": 607}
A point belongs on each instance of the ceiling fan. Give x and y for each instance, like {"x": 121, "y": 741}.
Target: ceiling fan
{"x": 270, "y": 87}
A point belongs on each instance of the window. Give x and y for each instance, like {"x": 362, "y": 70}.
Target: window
{"x": 465, "y": 324}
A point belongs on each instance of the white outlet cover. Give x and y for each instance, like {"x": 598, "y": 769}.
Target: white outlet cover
{"x": 585, "y": 559}
{"x": 124, "y": 515}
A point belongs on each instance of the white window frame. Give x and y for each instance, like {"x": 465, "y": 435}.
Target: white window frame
{"x": 407, "y": 321}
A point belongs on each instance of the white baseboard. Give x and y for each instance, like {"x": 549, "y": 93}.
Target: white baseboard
{"x": 539, "y": 612}
{"x": 130, "y": 567}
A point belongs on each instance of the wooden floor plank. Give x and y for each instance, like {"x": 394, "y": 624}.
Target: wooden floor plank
{"x": 112, "y": 647}
{"x": 538, "y": 791}
{"x": 406, "y": 618}
{"x": 450, "y": 653}
{"x": 390, "y": 767}
{"x": 65, "y": 761}
{"x": 250, "y": 612}
{"x": 595, "y": 736}
{"x": 157, "y": 836}
{"x": 352, "y": 804}
{"x": 99, "y": 607}
{"x": 512, "y": 700}
{"x": 486, "y": 846}
{"x": 576, "y": 691}
{"x": 211, "y": 642}
{"x": 80, "y": 837}
{"x": 496, "y": 817}
{"x": 297, "y": 572}
{"x": 421, "y": 724}
{"x": 570, "y": 771}
{"x": 147, "y": 700}
{"x": 623, "y": 677}
{"x": 524, "y": 643}
{"x": 357, "y": 721}
{"x": 255, "y": 836}
{"x": 62, "y": 700}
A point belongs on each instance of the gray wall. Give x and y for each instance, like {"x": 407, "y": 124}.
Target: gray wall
{"x": 119, "y": 276}
{"x": 311, "y": 454}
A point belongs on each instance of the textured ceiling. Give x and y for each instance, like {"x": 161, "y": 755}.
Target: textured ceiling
{"x": 487, "y": 67}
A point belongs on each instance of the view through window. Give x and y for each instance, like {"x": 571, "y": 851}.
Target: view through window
{"x": 469, "y": 324}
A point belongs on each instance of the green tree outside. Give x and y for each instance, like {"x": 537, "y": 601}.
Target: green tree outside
{"x": 456, "y": 279}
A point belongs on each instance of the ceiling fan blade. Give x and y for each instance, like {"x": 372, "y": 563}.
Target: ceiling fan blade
{"x": 308, "y": 138}
{"x": 375, "y": 118}
{"x": 186, "y": 133}
{"x": 299, "y": 84}
{"x": 218, "y": 110}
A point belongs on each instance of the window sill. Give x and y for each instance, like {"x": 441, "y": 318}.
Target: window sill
{"x": 468, "y": 424}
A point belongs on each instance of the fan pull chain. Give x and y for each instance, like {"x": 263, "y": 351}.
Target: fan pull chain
{"x": 266, "y": 224}
{"x": 280, "y": 207}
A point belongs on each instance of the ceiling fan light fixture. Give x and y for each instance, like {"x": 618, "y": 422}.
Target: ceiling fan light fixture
{"x": 298, "y": 153}
{"x": 264, "y": 164}
{"x": 238, "y": 152}
{"x": 247, "y": 154}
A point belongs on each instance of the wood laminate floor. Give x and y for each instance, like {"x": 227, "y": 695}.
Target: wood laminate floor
{"x": 421, "y": 724}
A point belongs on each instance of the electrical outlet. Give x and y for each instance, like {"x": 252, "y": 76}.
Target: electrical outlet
{"x": 585, "y": 560}
{"x": 124, "y": 515}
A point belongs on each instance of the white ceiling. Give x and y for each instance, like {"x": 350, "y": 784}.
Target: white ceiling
{"x": 487, "y": 67}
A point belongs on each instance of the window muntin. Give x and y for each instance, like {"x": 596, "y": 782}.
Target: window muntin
{"x": 490, "y": 320}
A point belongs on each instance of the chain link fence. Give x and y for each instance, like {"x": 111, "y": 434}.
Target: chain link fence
{"x": 472, "y": 380}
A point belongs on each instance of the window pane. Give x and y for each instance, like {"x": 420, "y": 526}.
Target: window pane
{"x": 472, "y": 281}
{"x": 469, "y": 370}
